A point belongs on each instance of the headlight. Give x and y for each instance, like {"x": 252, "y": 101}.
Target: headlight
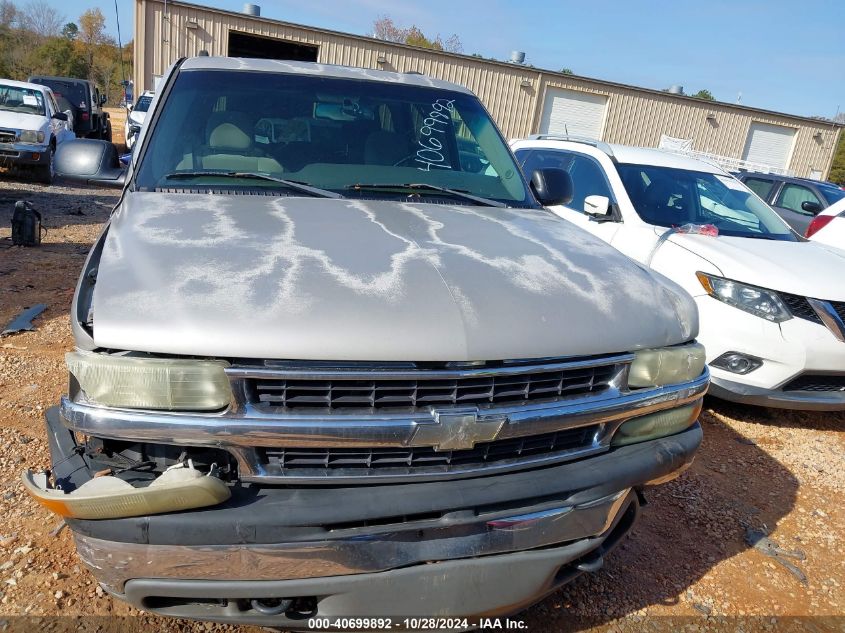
{"x": 758, "y": 301}
{"x": 151, "y": 383}
{"x": 666, "y": 365}
{"x": 31, "y": 136}
{"x": 655, "y": 425}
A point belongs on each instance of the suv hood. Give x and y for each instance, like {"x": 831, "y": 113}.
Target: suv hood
{"x": 807, "y": 269}
{"x": 322, "y": 279}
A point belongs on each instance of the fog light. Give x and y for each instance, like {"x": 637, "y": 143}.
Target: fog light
{"x": 655, "y": 425}
{"x": 737, "y": 363}
{"x": 36, "y": 156}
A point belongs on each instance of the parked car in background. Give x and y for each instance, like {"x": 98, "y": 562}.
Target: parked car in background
{"x": 416, "y": 391}
{"x": 797, "y": 200}
{"x": 90, "y": 119}
{"x": 772, "y": 304}
{"x": 828, "y": 227}
{"x": 31, "y": 127}
{"x": 135, "y": 118}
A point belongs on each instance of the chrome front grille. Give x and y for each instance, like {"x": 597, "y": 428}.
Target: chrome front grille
{"x": 422, "y": 460}
{"x": 8, "y": 136}
{"x": 422, "y": 389}
{"x": 451, "y": 422}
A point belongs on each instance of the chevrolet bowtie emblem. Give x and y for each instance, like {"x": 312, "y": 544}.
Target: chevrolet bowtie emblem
{"x": 455, "y": 429}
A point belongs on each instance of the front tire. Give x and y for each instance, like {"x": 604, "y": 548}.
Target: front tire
{"x": 45, "y": 173}
{"x": 107, "y": 132}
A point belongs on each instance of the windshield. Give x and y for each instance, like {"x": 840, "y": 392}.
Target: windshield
{"x": 669, "y": 197}
{"x": 143, "y": 104}
{"x": 331, "y": 134}
{"x": 25, "y": 100}
{"x": 832, "y": 194}
{"x": 72, "y": 91}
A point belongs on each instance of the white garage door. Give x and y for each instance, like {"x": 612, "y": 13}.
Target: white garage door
{"x": 573, "y": 112}
{"x": 769, "y": 144}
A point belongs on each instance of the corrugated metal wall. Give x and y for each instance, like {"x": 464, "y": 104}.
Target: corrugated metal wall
{"x": 513, "y": 95}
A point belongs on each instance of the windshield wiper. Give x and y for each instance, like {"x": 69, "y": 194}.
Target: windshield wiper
{"x": 455, "y": 193}
{"x": 290, "y": 184}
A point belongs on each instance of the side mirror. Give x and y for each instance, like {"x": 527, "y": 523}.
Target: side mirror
{"x": 811, "y": 207}
{"x": 552, "y": 186}
{"x": 103, "y": 100}
{"x": 60, "y": 116}
{"x": 597, "y": 206}
{"x": 90, "y": 161}
{"x": 130, "y": 107}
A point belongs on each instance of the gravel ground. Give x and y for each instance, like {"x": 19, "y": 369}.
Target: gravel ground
{"x": 687, "y": 566}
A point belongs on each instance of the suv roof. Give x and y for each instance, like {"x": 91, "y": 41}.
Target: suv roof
{"x": 68, "y": 80}
{"x": 311, "y": 68}
{"x": 631, "y": 154}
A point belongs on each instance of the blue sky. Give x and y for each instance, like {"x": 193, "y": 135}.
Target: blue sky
{"x": 780, "y": 55}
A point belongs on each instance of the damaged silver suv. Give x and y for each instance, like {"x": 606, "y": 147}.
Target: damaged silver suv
{"x": 334, "y": 358}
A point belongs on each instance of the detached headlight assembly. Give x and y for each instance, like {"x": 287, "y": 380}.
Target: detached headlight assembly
{"x": 760, "y": 302}
{"x": 151, "y": 383}
{"x": 31, "y": 136}
{"x": 666, "y": 365}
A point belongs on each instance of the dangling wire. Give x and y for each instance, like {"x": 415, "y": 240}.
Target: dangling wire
{"x": 120, "y": 52}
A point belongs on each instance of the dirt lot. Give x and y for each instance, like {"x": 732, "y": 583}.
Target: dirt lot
{"x": 687, "y": 566}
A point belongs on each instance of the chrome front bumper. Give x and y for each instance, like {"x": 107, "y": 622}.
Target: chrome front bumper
{"x": 367, "y": 551}
{"x": 24, "y": 153}
{"x": 244, "y": 428}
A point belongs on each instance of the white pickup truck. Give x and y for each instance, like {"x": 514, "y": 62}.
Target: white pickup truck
{"x": 31, "y": 126}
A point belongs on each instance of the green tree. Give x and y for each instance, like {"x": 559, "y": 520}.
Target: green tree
{"x": 703, "y": 94}
{"x": 566, "y": 71}
{"x": 58, "y": 56}
{"x": 70, "y": 31}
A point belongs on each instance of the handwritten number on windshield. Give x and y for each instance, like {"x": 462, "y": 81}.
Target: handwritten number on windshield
{"x": 434, "y": 125}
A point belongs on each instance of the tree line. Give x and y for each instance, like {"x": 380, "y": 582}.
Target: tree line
{"x": 36, "y": 39}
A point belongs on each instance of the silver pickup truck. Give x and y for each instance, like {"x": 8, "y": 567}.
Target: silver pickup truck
{"x": 334, "y": 358}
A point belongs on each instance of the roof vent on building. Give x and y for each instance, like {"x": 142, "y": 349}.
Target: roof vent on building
{"x": 676, "y": 89}
{"x": 517, "y": 57}
{"x": 252, "y": 9}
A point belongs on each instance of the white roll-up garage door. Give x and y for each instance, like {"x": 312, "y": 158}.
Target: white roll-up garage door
{"x": 573, "y": 112}
{"x": 769, "y": 145}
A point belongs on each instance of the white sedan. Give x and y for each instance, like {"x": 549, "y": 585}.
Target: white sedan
{"x": 771, "y": 303}
{"x": 828, "y": 227}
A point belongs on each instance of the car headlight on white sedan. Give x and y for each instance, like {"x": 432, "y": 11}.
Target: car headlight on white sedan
{"x": 32, "y": 136}
{"x": 760, "y": 302}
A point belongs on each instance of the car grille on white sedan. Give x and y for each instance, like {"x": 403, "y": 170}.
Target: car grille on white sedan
{"x": 816, "y": 382}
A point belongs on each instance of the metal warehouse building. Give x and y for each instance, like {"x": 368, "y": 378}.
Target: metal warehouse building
{"x": 523, "y": 100}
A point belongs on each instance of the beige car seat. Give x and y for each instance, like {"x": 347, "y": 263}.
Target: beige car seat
{"x": 230, "y": 147}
